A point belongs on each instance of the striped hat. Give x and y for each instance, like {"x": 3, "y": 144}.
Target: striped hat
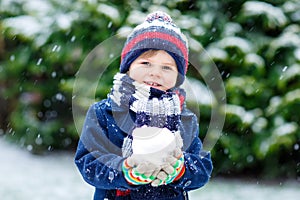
{"x": 157, "y": 32}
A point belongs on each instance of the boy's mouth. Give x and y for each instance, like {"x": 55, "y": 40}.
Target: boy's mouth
{"x": 152, "y": 84}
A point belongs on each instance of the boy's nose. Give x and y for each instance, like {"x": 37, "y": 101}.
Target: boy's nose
{"x": 155, "y": 71}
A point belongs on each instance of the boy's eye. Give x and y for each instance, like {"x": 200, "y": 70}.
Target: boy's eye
{"x": 146, "y": 63}
{"x": 167, "y": 68}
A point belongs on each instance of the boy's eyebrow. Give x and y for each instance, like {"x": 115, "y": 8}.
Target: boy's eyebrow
{"x": 169, "y": 64}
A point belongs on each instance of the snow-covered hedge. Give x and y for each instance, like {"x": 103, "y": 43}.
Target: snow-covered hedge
{"x": 254, "y": 44}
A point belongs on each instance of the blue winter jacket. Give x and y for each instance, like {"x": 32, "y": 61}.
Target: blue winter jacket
{"x": 99, "y": 155}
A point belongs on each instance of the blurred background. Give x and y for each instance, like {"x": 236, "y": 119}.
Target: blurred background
{"x": 254, "y": 44}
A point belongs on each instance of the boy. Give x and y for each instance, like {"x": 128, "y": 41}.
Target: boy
{"x": 145, "y": 98}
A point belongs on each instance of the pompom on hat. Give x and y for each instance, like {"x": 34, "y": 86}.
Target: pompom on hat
{"x": 157, "y": 32}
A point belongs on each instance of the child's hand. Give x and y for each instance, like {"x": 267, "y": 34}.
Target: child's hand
{"x": 173, "y": 167}
{"x": 137, "y": 173}
{"x": 171, "y": 171}
{"x": 146, "y": 168}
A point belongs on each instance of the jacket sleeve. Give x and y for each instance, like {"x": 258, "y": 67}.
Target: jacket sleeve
{"x": 198, "y": 163}
{"x": 97, "y": 157}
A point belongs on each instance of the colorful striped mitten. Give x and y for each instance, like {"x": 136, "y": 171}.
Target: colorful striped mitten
{"x": 170, "y": 172}
{"x": 138, "y": 174}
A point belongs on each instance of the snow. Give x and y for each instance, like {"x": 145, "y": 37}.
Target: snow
{"x": 40, "y": 17}
{"x": 252, "y": 58}
{"x": 247, "y": 117}
{"x": 259, "y": 125}
{"x": 33, "y": 25}
{"x": 297, "y": 54}
{"x": 109, "y": 11}
{"x": 292, "y": 96}
{"x": 233, "y": 41}
{"x": 186, "y": 22}
{"x": 285, "y": 129}
{"x": 26, "y": 176}
{"x": 274, "y": 14}
{"x": 136, "y": 17}
{"x": 217, "y": 53}
{"x": 54, "y": 176}
{"x": 246, "y": 190}
{"x": 288, "y": 39}
{"x": 196, "y": 88}
{"x": 37, "y": 7}
{"x": 153, "y": 144}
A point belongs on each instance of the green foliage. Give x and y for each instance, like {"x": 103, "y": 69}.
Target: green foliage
{"x": 254, "y": 44}
{"x": 257, "y": 53}
{"x": 38, "y": 64}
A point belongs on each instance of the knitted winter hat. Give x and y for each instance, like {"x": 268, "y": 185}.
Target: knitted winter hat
{"x": 156, "y": 32}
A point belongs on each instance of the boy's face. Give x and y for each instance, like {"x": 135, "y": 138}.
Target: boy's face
{"x": 156, "y": 69}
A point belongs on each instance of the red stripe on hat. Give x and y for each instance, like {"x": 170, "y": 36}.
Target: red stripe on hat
{"x": 150, "y": 35}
